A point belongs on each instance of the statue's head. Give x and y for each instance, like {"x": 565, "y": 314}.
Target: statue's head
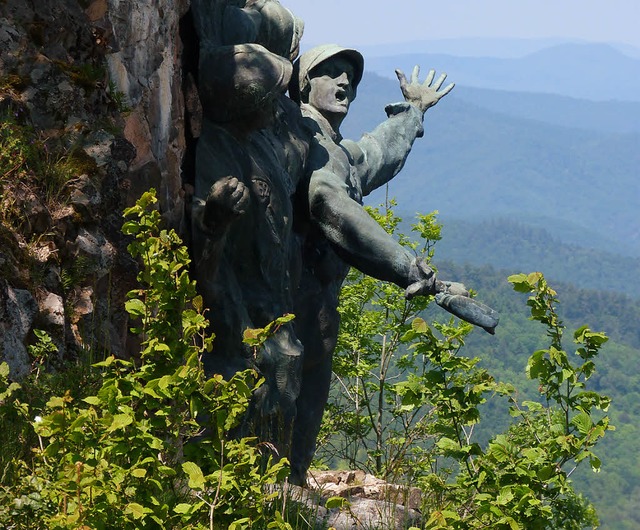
{"x": 241, "y": 83}
{"x": 327, "y": 78}
{"x": 264, "y": 22}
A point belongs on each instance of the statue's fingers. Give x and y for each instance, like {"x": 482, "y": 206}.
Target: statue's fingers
{"x": 419, "y": 288}
{"x": 415, "y": 74}
{"x": 425, "y": 269}
{"x": 241, "y": 199}
{"x": 237, "y": 193}
{"x": 446, "y": 90}
{"x": 429, "y": 79}
{"x": 439, "y": 82}
{"x": 232, "y": 182}
{"x": 413, "y": 290}
{"x": 401, "y": 77}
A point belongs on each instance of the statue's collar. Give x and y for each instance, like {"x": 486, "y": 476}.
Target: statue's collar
{"x": 325, "y": 127}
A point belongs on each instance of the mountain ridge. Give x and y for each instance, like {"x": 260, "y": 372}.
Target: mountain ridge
{"x": 475, "y": 162}
{"x": 566, "y": 69}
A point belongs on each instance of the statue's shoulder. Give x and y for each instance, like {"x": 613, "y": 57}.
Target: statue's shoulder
{"x": 354, "y": 150}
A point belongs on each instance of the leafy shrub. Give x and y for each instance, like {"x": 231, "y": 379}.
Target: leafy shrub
{"x": 135, "y": 454}
{"x": 408, "y": 405}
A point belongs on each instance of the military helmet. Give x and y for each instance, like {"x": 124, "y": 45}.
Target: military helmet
{"x": 315, "y": 56}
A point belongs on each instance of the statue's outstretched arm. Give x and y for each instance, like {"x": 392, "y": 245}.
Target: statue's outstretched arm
{"x": 355, "y": 236}
{"x": 362, "y": 243}
{"x": 386, "y": 148}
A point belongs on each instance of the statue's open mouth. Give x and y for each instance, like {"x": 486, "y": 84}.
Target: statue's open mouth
{"x": 341, "y": 95}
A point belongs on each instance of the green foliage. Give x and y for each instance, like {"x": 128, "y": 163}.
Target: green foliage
{"x": 35, "y": 162}
{"x": 85, "y": 75}
{"x": 521, "y": 480}
{"x": 40, "y": 351}
{"x": 370, "y": 422}
{"x": 149, "y": 444}
{"x": 152, "y": 447}
{"x": 118, "y": 98}
{"x": 410, "y": 404}
{"x": 613, "y": 490}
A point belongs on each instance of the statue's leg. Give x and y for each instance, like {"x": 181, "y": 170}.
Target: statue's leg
{"x": 317, "y": 323}
{"x": 274, "y": 404}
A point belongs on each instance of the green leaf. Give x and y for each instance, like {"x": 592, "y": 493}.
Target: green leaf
{"x": 182, "y": 508}
{"x": 288, "y": 317}
{"x": 336, "y": 502}
{"x": 448, "y": 445}
{"x": 119, "y": 422}
{"x": 135, "y": 307}
{"x": 131, "y": 228}
{"x": 505, "y": 496}
{"x": 106, "y": 363}
{"x": 136, "y": 510}
{"x": 93, "y": 400}
{"x": 533, "y": 406}
{"x": 419, "y": 325}
{"x": 4, "y": 370}
{"x": 139, "y": 472}
{"x": 254, "y": 337}
{"x": 582, "y": 422}
{"x": 196, "y": 477}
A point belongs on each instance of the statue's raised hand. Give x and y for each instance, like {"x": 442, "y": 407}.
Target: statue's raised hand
{"x": 423, "y": 95}
{"x": 228, "y": 198}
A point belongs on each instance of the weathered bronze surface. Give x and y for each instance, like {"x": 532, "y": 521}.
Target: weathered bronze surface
{"x": 277, "y": 212}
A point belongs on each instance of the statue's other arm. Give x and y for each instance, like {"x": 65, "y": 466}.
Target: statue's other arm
{"x": 381, "y": 154}
{"x": 358, "y": 239}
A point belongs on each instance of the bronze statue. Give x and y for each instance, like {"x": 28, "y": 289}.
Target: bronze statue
{"x": 277, "y": 217}
{"x": 338, "y": 232}
{"x": 249, "y": 160}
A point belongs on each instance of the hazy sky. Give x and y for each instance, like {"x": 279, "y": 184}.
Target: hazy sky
{"x": 361, "y": 22}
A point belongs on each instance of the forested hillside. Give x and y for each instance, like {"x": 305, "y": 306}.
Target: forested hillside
{"x": 514, "y": 246}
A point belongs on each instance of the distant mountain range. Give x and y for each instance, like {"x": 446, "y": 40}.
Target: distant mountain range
{"x": 564, "y": 111}
{"x": 551, "y": 162}
{"x": 525, "y": 181}
{"x": 497, "y": 47}
{"x": 599, "y": 72}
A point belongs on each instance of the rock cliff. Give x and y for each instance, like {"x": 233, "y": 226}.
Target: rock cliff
{"x": 91, "y": 115}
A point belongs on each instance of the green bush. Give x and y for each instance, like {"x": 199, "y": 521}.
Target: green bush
{"x": 147, "y": 445}
{"x": 133, "y": 454}
{"x": 407, "y": 405}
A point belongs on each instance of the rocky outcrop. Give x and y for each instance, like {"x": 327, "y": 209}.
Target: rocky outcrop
{"x": 92, "y": 110}
{"x": 17, "y": 311}
{"x": 144, "y": 64}
{"x": 369, "y": 502}
{"x": 360, "y": 484}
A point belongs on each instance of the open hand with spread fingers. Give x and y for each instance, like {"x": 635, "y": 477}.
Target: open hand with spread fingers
{"x": 423, "y": 95}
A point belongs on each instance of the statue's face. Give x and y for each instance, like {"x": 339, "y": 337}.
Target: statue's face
{"x": 331, "y": 87}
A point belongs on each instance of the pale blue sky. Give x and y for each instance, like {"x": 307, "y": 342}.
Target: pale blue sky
{"x": 362, "y": 22}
